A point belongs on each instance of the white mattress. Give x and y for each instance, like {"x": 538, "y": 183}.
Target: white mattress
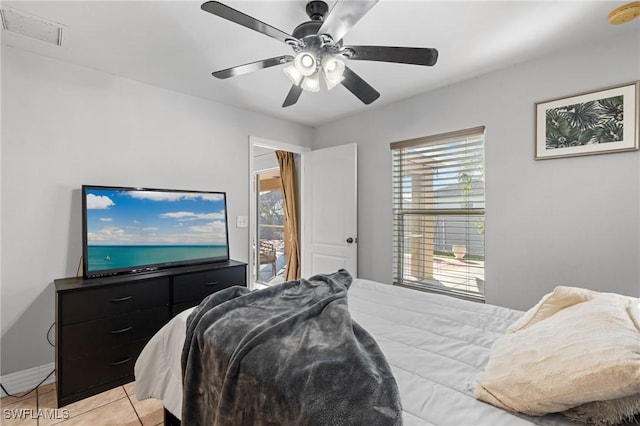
{"x": 436, "y": 346}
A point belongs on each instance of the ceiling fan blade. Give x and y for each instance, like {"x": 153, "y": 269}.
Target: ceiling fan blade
{"x": 359, "y": 87}
{"x": 238, "y": 17}
{"x": 402, "y": 55}
{"x": 344, "y": 16}
{"x": 292, "y": 96}
{"x": 253, "y": 66}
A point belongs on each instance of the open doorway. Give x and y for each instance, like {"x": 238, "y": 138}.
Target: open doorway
{"x": 271, "y": 230}
{"x": 327, "y": 237}
{"x": 269, "y": 237}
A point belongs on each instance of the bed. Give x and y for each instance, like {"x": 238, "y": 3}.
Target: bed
{"x": 436, "y": 347}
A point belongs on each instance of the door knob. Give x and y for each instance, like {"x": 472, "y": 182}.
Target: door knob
{"x": 349, "y": 240}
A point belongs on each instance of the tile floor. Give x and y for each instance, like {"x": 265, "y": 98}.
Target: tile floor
{"x": 117, "y": 406}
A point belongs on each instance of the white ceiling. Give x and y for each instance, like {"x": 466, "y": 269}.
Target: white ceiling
{"x": 176, "y": 45}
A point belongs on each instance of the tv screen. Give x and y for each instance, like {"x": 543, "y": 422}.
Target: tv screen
{"x": 129, "y": 230}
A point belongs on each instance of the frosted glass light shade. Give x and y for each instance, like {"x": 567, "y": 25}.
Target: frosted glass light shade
{"x": 305, "y": 62}
{"x": 311, "y": 83}
{"x": 294, "y": 75}
{"x": 333, "y": 70}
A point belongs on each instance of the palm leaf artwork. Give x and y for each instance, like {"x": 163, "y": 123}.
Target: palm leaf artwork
{"x": 609, "y": 132}
{"x": 558, "y": 129}
{"x": 583, "y": 116}
{"x": 593, "y": 122}
{"x": 612, "y": 108}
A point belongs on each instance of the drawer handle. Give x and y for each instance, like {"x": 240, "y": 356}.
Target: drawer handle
{"x": 122, "y": 330}
{"x": 124, "y": 361}
{"x": 211, "y": 284}
{"x": 121, "y": 299}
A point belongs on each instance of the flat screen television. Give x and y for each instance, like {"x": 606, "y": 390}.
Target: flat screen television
{"x": 134, "y": 230}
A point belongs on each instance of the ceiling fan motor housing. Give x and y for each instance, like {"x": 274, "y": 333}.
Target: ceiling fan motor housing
{"x": 311, "y": 41}
{"x": 308, "y": 31}
{"x": 317, "y": 10}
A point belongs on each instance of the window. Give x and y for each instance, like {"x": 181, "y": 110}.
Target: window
{"x": 438, "y": 210}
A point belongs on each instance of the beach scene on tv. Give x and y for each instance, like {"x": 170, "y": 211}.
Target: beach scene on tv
{"x": 131, "y": 228}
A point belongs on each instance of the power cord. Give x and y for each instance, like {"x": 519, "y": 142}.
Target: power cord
{"x": 48, "y": 332}
{"x": 43, "y": 380}
{"x": 27, "y": 393}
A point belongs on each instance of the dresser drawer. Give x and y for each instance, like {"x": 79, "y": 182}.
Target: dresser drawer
{"x": 197, "y": 285}
{"x": 84, "y": 373}
{"x": 86, "y": 338}
{"x": 93, "y": 303}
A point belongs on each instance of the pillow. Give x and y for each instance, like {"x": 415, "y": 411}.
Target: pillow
{"x": 561, "y": 297}
{"x": 586, "y": 351}
{"x": 606, "y": 413}
{"x": 634, "y": 312}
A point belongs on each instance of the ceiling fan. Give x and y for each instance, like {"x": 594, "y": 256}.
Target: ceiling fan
{"x": 319, "y": 50}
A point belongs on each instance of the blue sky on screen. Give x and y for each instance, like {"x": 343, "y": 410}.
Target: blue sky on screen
{"x": 117, "y": 217}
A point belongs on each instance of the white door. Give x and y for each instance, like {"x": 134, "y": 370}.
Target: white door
{"x": 329, "y": 210}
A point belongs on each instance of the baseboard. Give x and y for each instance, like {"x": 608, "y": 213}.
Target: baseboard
{"x": 25, "y": 380}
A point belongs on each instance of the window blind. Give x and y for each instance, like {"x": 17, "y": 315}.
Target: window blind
{"x": 439, "y": 210}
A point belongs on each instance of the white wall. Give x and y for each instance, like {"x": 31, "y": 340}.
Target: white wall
{"x": 571, "y": 221}
{"x": 564, "y": 221}
{"x": 64, "y": 126}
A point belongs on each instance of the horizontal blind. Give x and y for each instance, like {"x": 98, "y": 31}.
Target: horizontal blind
{"x": 438, "y": 209}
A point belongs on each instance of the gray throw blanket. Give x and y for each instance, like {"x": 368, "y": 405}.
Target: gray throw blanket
{"x": 286, "y": 355}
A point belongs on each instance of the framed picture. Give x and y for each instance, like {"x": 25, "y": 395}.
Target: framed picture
{"x": 590, "y": 123}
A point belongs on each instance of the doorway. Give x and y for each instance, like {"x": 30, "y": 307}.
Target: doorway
{"x": 326, "y": 177}
{"x": 271, "y": 239}
{"x": 267, "y": 238}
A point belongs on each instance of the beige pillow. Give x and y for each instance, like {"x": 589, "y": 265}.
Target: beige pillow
{"x": 561, "y": 297}
{"x": 582, "y": 352}
{"x": 634, "y": 312}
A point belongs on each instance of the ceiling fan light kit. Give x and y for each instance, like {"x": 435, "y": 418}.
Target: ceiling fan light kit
{"x": 319, "y": 49}
{"x": 305, "y": 63}
{"x": 305, "y": 68}
{"x": 333, "y": 71}
{"x": 311, "y": 83}
{"x": 294, "y": 75}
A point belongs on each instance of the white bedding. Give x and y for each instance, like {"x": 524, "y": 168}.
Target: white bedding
{"x": 436, "y": 346}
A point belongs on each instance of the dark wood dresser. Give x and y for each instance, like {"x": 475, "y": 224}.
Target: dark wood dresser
{"x": 102, "y": 324}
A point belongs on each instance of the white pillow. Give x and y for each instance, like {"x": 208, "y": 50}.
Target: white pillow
{"x": 562, "y": 357}
{"x": 634, "y": 312}
{"x": 561, "y": 297}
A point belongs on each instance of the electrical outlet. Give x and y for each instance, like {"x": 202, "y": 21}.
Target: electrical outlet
{"x": 242, "y": 222}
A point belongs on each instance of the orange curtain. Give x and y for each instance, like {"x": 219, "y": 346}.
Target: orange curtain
{"x": 290, "y": 195}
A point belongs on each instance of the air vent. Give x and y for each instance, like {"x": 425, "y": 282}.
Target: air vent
{"x": 32, "y": 26}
